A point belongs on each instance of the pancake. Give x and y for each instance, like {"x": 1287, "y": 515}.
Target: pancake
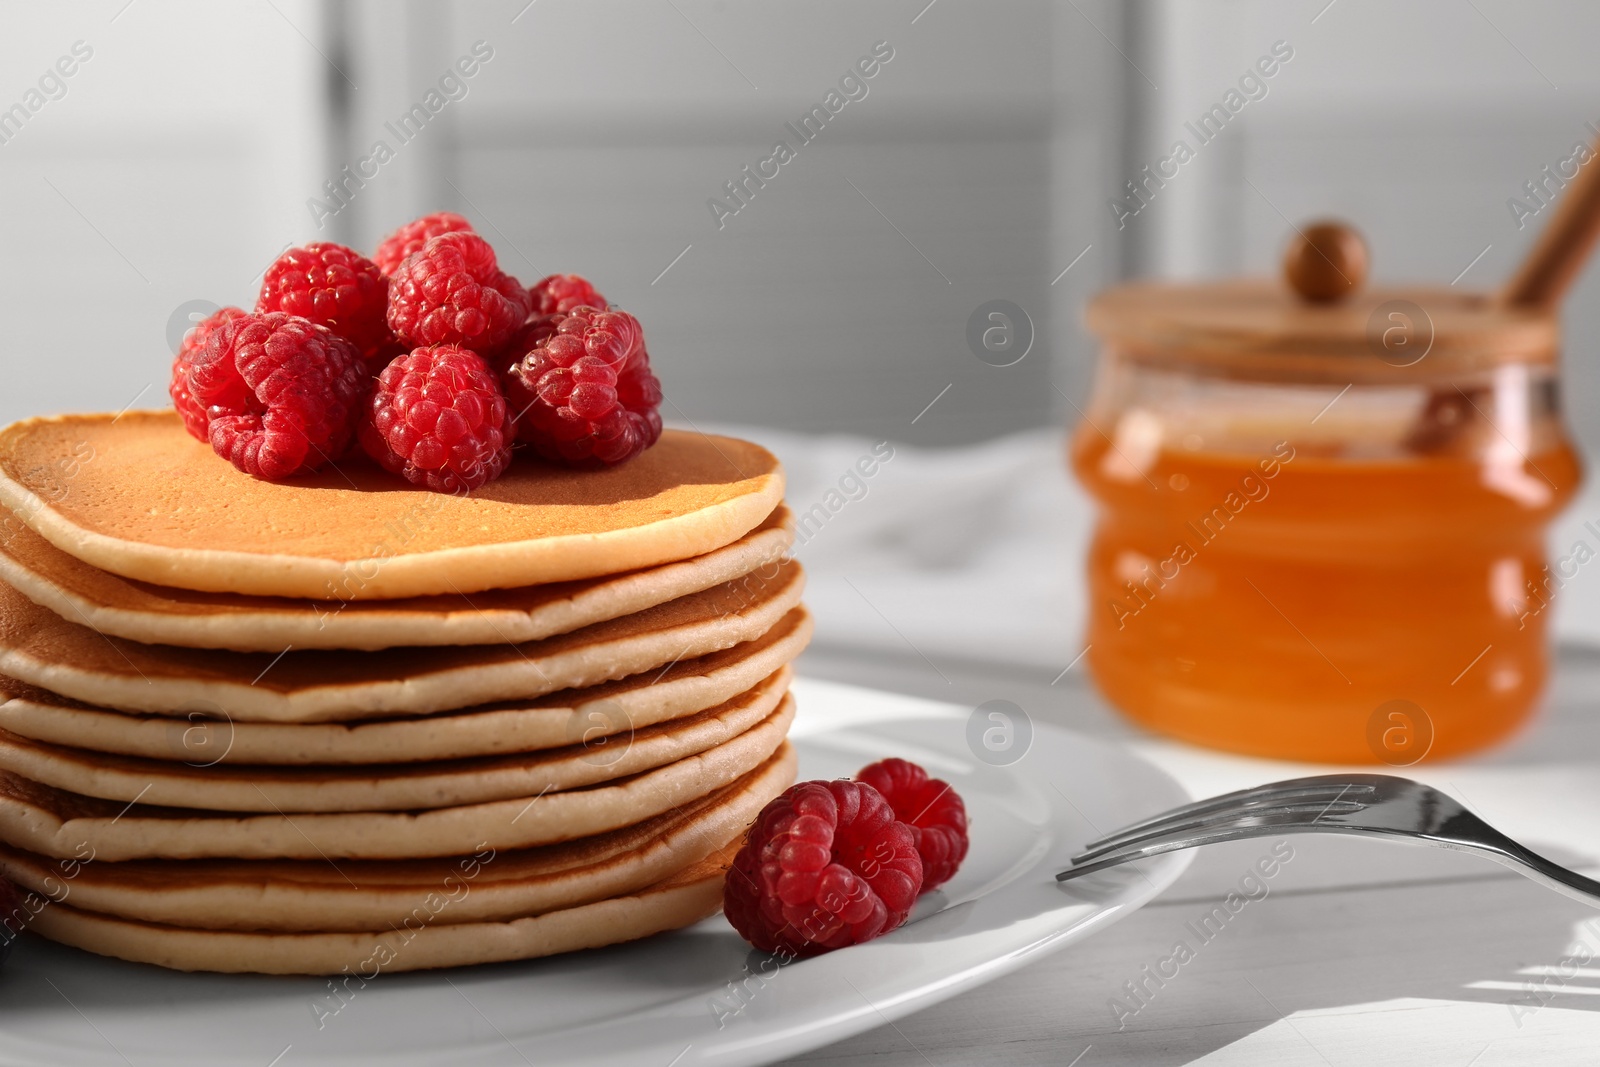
{"x": 681, "y": 900}
{"x": 64, "y": 825}
{"x": 156, "y": 614}
{"x": 389, "y": 787}
{"x": 39, "y": 647}
{"x": 682, "y": 688}
{"x": 137, "y": 496}
{"x": 284, "y": 895}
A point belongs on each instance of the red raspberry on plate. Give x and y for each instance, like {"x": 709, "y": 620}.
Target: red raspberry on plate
{"x": 195, "y": 417}
{"x": 437, "y": 418}
{"x": 283, "y": 393}
{"x": 825, "y": 865}
{"x": 560, "y": 293}
{"x": 453, "y": 292}
{"x": 581, "y": 388}
{"x": 393, "y": 249}
{"x": 332, "y": 286}
{"x": 935, "y": 813}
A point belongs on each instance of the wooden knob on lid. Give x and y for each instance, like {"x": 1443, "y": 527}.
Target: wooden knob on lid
{"x": 1325, "y": 262}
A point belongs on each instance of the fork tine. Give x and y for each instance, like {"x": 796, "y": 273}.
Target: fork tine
{"x": 1243, "y": 815}
{"x": 1157, "y": 847}
{"x": 1327, "y": 787}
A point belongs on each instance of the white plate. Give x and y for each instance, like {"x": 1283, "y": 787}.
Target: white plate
{"x": 690, "y": 994}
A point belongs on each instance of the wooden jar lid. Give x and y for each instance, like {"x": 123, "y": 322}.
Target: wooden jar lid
{"x": 1320, "y": 325}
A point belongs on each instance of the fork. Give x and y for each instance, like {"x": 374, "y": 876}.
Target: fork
{"x": 1362, "y": 804}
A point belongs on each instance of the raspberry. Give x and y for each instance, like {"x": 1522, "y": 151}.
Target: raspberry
{"x": 935, "y": 813}
{"x": 283, "y": 393}
{"x": 335, "y": 287}
{"x": 438, "y": 419}
{"x": 453, "y": 292}
{"x": 825, "y": 865}
{"x": 582, "y": 389}
{"x": 413, "y": 235}
{"x": 195, "y": 417}
{"x": 560, "y": 293}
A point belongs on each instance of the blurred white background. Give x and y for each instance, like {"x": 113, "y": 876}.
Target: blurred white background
{"x": 183, "y": 154}
{"x": 196, "y": 139}
{"x": 180, "y": 158}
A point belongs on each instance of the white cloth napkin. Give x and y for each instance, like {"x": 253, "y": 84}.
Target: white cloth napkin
{"x": 965, "y": 553}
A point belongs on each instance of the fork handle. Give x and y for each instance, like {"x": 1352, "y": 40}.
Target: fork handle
{"x": 1508, "y": 853}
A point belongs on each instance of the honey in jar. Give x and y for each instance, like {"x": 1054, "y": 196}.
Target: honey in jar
{"x": 1321, "y": 521}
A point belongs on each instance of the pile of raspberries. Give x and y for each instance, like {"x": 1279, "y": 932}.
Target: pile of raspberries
{"x": 427, "y": 357}
{"x": 835, "y": 863}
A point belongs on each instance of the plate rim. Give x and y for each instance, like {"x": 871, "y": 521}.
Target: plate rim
{"x": 758, "y": 1043}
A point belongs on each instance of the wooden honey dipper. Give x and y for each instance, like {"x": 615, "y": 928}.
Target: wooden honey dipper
{"x": 1563, "y": 247}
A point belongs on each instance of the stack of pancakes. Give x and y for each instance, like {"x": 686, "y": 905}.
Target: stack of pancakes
{"x": 346, "y": 724}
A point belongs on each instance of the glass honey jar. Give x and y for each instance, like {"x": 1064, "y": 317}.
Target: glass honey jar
{"x": 1322, "y": 513}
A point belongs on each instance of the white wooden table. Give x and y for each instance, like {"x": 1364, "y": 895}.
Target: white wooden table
{"x": 1360, "y": 953}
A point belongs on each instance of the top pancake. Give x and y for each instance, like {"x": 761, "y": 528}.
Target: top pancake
{"x": 137, "y": 496}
